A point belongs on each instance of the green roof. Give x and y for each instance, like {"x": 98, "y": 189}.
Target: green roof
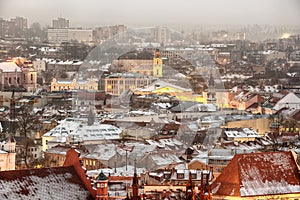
{"x": 101, "y": 177}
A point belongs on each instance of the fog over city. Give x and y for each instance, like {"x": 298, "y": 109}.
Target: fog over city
{"x": 150, "y": 100}
{"x": 136, "y": 13}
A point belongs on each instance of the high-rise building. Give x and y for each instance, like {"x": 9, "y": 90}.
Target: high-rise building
{"x": 162, "y": 35}
{"x": 13, "y": 28}
{"x": 20, "y": 23}
{"x": 60, "y": 23}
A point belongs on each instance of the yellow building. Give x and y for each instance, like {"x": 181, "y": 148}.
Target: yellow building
{"x": 60, "y": 85}
{"x": 142, "y": 62}
{"x": 162, "y": 87}
{"x": 116, "y": 83}
{"x": 157, "y": 64}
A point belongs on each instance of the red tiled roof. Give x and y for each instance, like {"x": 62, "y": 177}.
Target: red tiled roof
{"x": 259, "y": 174}
{"x": 54, "y": 183}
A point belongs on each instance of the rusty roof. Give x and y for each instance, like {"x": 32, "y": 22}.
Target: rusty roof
{"x": 259, "y": 174}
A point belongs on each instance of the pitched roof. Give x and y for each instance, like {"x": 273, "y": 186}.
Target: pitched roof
{"x": 9, "y": 67}
{"x": 54, "y": 183}
{"x": 259, "y": 174}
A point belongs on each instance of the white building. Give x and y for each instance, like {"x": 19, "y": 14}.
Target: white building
{"x": 39, "y": 65}
{"x": 57, "y": 35}
{"x": 80, "y": 35}
{"x": 67, "y": 35}
{"x": 8, "y": 154}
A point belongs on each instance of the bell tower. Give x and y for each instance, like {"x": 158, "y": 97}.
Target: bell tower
{"x": 101, "y": 187}
{"x": 157, "y": 64}
{"x": 211, "y": 92}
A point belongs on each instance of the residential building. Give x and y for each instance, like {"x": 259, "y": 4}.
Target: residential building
{"x": 60, "y": 23}
{"x": 39, "y": 65}
{"x": 107, "y": 32}
{"x": 8, "y": 154}
{"x": 81, "y": 35}
{"x": 162, "y": 35}
{"x": 57, "y": 35}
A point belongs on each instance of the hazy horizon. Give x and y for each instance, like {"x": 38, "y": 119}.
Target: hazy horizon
{"x": 156, "y": 12}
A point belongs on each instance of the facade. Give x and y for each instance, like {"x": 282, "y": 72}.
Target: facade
{"x": 106, "y": 32}
{"x": 10, "y": 76}
{"x": 142, "y": 62}
{"x": 157, "y": 64}
{"x": 29, "y": 79}
{"x": 57, "y": 35}
{"x": 60, "y": 23}
{"x": 13, "y": 27}
{"x": 61, "y": 85}
{"x": 162, "y": 35}
{"x": 39, "y": 65}
{"x": 14, "y": 77}
{"x": 8, "y": 154}
{"x": 116, "y": 83}
{"x": 81, "y": 35}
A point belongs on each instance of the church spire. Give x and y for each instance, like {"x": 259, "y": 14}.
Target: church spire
{"x": 135, "y": 184}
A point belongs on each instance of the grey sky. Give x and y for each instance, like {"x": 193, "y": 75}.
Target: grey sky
{"x": 154, "y": 12}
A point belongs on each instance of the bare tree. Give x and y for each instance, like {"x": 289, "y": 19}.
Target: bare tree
{"x": 27, "y": 120}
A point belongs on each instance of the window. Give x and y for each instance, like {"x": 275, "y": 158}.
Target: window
{"x": 180, "y": 176}
{"x": 31, "y": 77}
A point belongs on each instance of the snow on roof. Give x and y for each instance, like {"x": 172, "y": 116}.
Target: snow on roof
{"x": 54, "y": 183}
{"x": 241, "y": 133}
{"x": 102, "y": 152}
{"x": 163, "y": 159}
{"x": 9, "y": 67}
{"x": 162, "y": 84}
{"x": 65, "y": 127}
{"x": 98, "y": 132}
{"x": 259, "y": 174}
{"x": 120, "y": 171}
{"x": 290, "y": 100}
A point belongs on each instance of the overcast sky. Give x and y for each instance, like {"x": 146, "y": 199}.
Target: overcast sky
{"x": 154, "y": 12}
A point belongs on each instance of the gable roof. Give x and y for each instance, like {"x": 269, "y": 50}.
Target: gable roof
{"x": 54, "y": 183}
{"x": 160, "y": 84}
{"x": 289, "y": 100}
{"x": 67, "y": 182}
{"x": 9, "y": 67}
{"x": 259, "y": 174}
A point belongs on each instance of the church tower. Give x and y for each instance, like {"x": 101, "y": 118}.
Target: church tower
{"x": 101, "y": 187}
{"x": 157, "y": 64}
{"x": 211, "y": 92}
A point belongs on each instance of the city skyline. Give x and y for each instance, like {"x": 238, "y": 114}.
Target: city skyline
{"x": 151, "y": 13}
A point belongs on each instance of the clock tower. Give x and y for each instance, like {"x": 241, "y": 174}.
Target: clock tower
{"x": 102, "y": 187}
{"x": 157, "y": 64}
